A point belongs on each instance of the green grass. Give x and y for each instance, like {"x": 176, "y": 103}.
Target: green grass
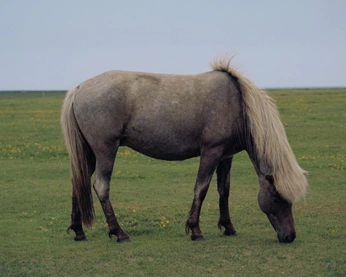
{"x": 152, "y": 199}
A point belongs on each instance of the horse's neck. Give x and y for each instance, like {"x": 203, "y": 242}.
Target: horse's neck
{"x": 252, "y": 152}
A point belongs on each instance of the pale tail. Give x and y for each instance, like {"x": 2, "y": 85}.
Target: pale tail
{"x": 78, "y": 150}
{"x": 269, "y": 136}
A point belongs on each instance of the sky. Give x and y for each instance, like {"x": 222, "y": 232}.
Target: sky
{"x": 55, "y": 45}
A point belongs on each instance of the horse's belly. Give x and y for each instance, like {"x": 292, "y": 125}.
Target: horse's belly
{"x": 163, "y": 144}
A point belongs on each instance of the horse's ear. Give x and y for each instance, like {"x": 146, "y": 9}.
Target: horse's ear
{"x": 270, "y": 179}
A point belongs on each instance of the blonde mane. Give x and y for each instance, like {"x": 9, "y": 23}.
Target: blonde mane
{"x": 269, "y": 135}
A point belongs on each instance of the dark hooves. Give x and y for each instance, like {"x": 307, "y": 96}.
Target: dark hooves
{"x": 197, "y": 238}
{"x": 230, "y": 233}
{"x": 123, "y": 240}
{"x": 80, "y": 238}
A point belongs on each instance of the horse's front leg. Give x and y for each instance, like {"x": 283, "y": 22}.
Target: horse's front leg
{"x": 76, "y": 221}
{"x": 208, "y": 163}
{"x": 223, "y": 186}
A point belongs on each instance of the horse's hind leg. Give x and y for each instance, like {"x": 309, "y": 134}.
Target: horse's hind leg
{"x": 76, "y": 221}
{"x": 223, "y": 172}
{"x": 76, "y": 218}
{"x": 104, "y": 168}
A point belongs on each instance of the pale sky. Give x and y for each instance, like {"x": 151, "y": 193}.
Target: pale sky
{"x": 53, "y": 45}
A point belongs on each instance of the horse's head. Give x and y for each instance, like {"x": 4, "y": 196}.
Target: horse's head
{"x": 277, "y": 209}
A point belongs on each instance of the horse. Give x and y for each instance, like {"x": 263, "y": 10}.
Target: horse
{"x": 213, "y": 115}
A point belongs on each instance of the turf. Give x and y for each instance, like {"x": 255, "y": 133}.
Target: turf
{"x": 152, "y": 199}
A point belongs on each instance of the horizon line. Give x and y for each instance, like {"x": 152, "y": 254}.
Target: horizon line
{"x": 268, "y": 88}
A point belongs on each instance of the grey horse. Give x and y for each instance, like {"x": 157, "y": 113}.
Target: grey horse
{"x": 213, "y": 115}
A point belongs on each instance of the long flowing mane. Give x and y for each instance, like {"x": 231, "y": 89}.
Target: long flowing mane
{"x": 268, "y": 134}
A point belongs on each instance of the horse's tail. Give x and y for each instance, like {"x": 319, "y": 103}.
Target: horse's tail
{"x": 79, "y": 152}
{"x": 269, "y": 137}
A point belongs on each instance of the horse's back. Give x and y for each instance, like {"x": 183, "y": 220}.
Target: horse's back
{"x": 161, "y": 115}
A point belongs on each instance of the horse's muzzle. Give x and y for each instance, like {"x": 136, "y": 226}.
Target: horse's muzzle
{"x": 286, "y": 238}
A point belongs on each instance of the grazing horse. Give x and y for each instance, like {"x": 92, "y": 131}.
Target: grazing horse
{"x": 213, "y": 115}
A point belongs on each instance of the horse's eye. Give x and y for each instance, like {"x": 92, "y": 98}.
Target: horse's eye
{"x": 270, "y": 179}
{"x": 275, "y": 200}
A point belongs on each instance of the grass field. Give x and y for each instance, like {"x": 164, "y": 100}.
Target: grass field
{"x": 152, "y": 199}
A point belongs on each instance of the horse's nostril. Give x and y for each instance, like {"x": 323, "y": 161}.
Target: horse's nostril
{"x": 290, "y": 238}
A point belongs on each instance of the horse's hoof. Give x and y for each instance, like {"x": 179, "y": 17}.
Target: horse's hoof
{"x": 123, "y": 240}
{"x": 197, "y": 237}
{"x": 80, "y": 238}
{"x": 230, "y": 233}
